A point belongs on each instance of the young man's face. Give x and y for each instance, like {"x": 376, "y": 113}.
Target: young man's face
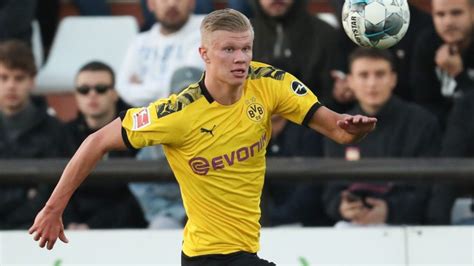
{"x": 453, "y": 19}
{"x": 228, "y": 55}
{"x": 276, "y": 8}
{"x": 100, "y": 99}
{"x": 15, "y": 88}
{"x": 372, "y": 81}
{"x": 172, "y": 14}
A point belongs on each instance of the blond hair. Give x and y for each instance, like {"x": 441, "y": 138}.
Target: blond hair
{"x": 225, "y": 19}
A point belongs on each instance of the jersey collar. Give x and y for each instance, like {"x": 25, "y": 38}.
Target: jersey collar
{"x": 204, "y": 89}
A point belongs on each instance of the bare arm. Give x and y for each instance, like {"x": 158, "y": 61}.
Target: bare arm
{"x": 48, "y": 223}
{"x": 343, "y": 129}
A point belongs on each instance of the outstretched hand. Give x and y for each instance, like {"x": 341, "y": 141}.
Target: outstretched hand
{"x": 357, "y": 124}
{"x": 48, "y": 227}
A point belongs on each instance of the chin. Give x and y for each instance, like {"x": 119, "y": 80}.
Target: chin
{"x": 237, "y": 83}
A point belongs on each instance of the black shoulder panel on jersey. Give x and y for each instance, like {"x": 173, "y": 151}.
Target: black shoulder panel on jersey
{"x": 266, "y": 72}
{"x": 185, "y": 98}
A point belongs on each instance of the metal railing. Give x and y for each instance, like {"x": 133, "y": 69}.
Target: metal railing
{"x": 301, "y": 169}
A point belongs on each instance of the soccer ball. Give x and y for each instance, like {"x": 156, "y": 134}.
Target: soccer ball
{"x": 375, "y": 23}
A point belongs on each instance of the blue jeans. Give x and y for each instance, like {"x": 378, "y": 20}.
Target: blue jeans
{"x": 158, "y": 200}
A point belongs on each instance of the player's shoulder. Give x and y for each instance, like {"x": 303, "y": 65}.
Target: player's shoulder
{"x": 259, "y": 70}
{"x": 177, "y": 103}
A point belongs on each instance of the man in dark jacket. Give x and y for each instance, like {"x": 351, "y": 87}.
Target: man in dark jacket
{"x": 287, "y": 36}
{"x": 27, "y": 131}
{"x": 94, "y": 206}
{"x": 403, "y": 51}
{"x": 443, "y": 63}
{"x": 404, "y": 130}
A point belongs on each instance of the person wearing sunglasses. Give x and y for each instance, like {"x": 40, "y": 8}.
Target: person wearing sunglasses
{"x": 98, "y": 104}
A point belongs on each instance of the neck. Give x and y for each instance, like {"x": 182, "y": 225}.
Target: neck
{"x": 100, "y": 121}
{"x": 11, "y": 111}
{"x": 166, "y": 31}
{"x": 223, "y": 93}
{"x": 370, "y": 109}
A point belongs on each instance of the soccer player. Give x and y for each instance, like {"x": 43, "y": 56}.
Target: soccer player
{"x": 214, "y": 135}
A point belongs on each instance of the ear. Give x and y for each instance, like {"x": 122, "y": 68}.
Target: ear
{"x": 203, "y": 53}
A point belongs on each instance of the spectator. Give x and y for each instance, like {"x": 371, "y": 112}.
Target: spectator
{"x": 26, "y": 132}
{"x": 16, "y": 17}
{"x": 92, "y": 205}
{"x": 289, "y": 202}
{"x": 403, "y": 53}
{"x": 289, "y": 37}
{"x": 202, "y": 7}
{"x": 154, "y": 56}
{"x": 404, "y": 130}
{"x": 443, "y": 64}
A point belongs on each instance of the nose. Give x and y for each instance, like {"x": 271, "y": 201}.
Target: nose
{"x": 240, "y": 57}
{"x": 371, "y": 81}
{"x": 448, "y": 20}
{"x": 9, "y": 83}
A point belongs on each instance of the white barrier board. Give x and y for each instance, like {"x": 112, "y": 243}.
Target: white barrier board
{"x": 392, "y": 246}
{"x": 440, "y": 246}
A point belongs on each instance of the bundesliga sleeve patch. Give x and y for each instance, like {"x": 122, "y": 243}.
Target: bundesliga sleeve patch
{"x": 298, "y": 88}
{"x": 141, "y": 119}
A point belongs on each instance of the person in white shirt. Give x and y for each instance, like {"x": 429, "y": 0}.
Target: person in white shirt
{"x": 153, "y": 57}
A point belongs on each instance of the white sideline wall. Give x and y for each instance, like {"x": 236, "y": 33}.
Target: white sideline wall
{"x": 440, "y": 246}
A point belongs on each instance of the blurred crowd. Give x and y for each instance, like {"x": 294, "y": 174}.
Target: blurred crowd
{"x": 421, "y": 90}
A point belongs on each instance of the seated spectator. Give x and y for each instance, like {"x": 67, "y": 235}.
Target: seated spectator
{"x": 403, "y": 130}
{"x": 92, "y": 205}
{"x": 443, "y": 63}
{"x": 154, "y": 55}
{"x": 202, "y": 7}
{"x": 27, "y": 131}
{"x": 287, "y": 36}
{"x": 402, "y": 52}
{"x": 16, "y": 17}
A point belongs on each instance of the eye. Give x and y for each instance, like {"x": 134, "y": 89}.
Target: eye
{"x": 457, "y": 12}
{"x": 228, "y": 49}
{"x": 247, "y": 49}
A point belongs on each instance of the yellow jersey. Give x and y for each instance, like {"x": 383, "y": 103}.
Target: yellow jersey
{"x": 217, "y": 153}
